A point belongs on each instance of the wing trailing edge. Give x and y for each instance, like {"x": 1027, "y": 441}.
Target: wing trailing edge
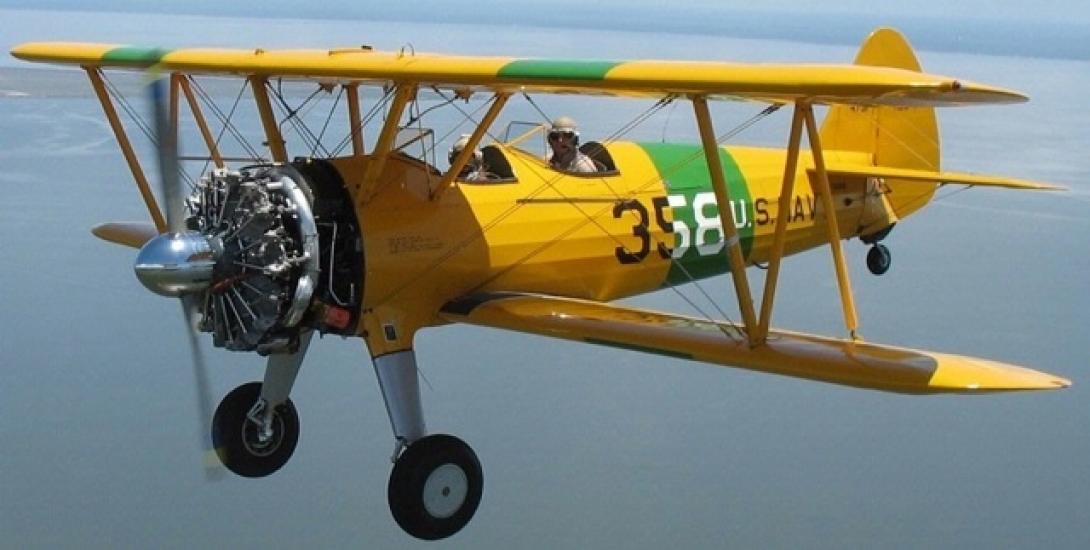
{"x": 837, "y": 361}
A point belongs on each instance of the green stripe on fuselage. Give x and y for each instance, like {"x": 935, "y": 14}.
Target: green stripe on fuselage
{"x": 684, "y": 170}
{"x": 130, "y": 55}
{"x": 557, "y": 69}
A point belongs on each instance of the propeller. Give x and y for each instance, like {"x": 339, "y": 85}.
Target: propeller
{"x": 179, "y": 262}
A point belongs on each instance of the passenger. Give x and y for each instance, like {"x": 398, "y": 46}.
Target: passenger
{"x": 564, "y": 151}
{"x": 474, "y": 170}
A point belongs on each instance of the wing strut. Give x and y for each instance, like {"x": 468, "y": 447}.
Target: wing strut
{"x": 268, "y": 121}
{"x": 198, "y": 115}
{"x": 95, "y": 75}
{"x": 757, "y": 331}
{"x": 780, "y": 237}
{"x": 460, "y": 161}
{"x": 804, "y": 115}
{"x": 405, "y": 92}
{"x": 726, "y": 217}
{"x": 842, "y": 279}
{"x": 354, "y": 124}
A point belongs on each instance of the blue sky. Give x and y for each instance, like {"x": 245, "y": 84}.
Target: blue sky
{"x": 1069, "y": 11}
{"x": 1048, "y": 28}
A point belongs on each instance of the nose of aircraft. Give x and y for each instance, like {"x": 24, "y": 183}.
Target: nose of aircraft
{"x": 175, "y": 264}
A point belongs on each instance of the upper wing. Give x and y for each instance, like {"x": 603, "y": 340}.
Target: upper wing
{"x": 776, "y": 83}
{"x": 844, "y": 362}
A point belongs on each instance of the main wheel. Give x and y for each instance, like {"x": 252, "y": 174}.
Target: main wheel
{"x": 238, "y": 440}
{"x": 435, "y": 487}
{"x": 879, "y": 259}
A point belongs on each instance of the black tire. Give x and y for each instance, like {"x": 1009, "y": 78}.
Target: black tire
{"x": 879, "y": 259}
{"x": 435, "y": 487}
{"x": 235, "y": 436}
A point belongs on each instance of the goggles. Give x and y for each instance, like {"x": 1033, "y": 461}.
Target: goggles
{"x": 555, "y": 135}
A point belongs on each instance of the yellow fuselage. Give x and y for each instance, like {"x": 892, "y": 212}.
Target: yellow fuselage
{"x": 596, "y": 236}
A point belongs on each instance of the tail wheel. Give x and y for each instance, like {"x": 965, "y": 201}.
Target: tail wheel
{"x": 239, "y": 441}
{"x": 435, "y": 487}
{"x": 879, "y": 259}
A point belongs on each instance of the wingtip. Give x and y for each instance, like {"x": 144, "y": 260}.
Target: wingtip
{"x": 971, "y": 374}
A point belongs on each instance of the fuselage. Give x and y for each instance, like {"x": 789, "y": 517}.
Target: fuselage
{"x": 653, "y": 222}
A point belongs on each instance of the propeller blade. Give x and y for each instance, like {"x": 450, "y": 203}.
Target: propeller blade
{"x": 213, "y": 469}
{"x": 133, "y": 234}
{"x": 166, "y": 142}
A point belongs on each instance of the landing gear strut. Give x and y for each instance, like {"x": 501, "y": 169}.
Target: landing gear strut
{"x": 255, "y": 428}
{"x": 437, "y": 482}
{"x": 878, "y": 259}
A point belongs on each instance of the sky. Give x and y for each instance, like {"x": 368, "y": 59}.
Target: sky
{"x": 1046, "y": 10}
{"x": 1054, "y": 29}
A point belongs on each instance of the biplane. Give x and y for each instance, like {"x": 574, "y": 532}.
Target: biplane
{"x": 379, "y": 244}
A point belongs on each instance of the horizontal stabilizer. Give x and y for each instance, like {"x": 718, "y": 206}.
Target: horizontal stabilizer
{"x": 133, "y": 234}
{"x": 931, "y": 177}
{"x": 821, "y": 358}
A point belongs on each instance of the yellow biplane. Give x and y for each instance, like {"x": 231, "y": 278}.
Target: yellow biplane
{"x": 380, "y": 244}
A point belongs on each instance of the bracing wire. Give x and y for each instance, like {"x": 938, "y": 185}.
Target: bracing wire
{"x": 142, "y": 124}
{"x": 225, "y": 119}
{"x": 292, "y": 116}
{"x": 328, "y": 118}
{"x": 378, "y": 107}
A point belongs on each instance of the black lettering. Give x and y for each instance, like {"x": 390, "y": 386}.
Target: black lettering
{"x": 810, "y": 203}
{"x": 660, "y": 204}
{"x": 798, "y": 214}
{"x": 761, "y": 206}
{"x": 639, "y": 230}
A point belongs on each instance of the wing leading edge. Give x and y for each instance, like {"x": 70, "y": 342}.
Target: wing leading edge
{"x": 776, "y": 83}
{"x": 844, "y": 362}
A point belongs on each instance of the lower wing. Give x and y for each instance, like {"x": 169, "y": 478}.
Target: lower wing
{"x": 845, "y": 362}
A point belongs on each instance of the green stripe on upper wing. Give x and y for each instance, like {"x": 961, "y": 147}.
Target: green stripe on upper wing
{"x": 130, "y": 55}
{"x": 557, "y": 69}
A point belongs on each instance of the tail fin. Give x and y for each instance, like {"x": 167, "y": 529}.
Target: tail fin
{"x": 893, "y": 137}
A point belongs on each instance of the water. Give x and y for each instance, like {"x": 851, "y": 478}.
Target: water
{"x": 582, "y": 446}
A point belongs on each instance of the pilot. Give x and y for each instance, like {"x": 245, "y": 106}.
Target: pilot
{"x": 564, "y": 151}
{"x": 474, "y": 169}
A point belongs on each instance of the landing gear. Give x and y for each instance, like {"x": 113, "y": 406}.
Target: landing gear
{"x": 879, "y": 259}
{"x": 435, "y": 487}
{"x": 437, "y": 481}
{"x": 247, "y": 444}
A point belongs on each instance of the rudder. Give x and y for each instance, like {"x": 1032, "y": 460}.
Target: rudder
{"x": 899, "y": 137}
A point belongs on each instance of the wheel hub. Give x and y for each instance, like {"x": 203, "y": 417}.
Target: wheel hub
{"x": 260, "y": 441}
{"x": 445, "y": 491}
